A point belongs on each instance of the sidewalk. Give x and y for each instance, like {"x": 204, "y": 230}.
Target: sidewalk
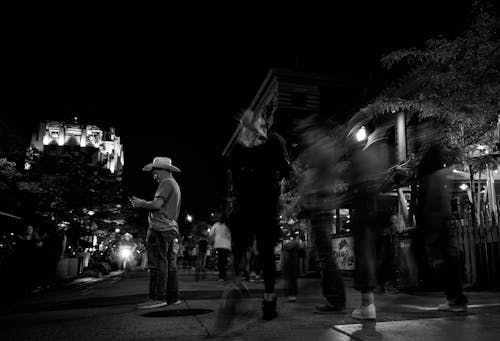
{"x": 405, "y": 316}
{"x": 399, "y": 317}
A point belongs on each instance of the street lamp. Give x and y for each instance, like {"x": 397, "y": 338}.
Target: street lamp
{"x": 361, "y": 134}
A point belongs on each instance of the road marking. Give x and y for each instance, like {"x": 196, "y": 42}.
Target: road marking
{"x": 435, "y": 308}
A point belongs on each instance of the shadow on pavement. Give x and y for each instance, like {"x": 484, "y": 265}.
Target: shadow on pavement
{"x": 177, "y": 312}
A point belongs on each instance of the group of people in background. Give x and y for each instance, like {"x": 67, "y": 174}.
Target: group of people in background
{"x": 36, "y": 258}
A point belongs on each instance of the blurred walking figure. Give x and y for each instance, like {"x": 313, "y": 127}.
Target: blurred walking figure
{"x": 162, "y": 232}
{"x": 258, "y": 162}
{"x": 370, "y": 162}
{"x": 221, "y": 236}
{"x": 433, "y": 216}
{"x": 319, "y": 168}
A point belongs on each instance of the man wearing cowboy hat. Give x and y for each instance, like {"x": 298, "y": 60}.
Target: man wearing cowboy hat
{"x": 162, "y": 232}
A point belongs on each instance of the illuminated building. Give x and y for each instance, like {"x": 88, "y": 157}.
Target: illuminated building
{"x": 96, "y": 145}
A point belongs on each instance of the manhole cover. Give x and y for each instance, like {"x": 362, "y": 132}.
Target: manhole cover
{"x": 177, "y": 312}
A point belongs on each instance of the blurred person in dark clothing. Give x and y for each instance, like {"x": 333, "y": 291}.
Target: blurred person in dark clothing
{"x": 370, "y": 162}
{"x": 258, "y": 162}
{"x": 319, "y": 169}
{"x": 433, "y": 216}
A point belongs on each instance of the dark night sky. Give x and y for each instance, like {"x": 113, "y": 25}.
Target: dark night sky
{"x": 174, "y": 92}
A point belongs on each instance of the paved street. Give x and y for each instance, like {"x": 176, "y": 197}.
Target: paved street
{"x": 104, "y": 309}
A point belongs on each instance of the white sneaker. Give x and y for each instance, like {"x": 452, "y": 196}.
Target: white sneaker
{"x": 365, "y": 313}
{"x": 151, "y": 304}
{"x": 176, "y": 302}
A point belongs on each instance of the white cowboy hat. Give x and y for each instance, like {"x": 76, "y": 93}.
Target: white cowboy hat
{"x": 161, "y": 162}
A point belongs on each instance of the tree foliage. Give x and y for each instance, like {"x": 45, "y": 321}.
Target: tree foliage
{"x": 65, "y": 187}
{"x": 455, "y": 82}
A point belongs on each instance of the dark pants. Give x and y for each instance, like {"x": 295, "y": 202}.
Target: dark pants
{"x": 386, "y": 265}
{"x": 434, "y": 247}
{"x": 245, "y": 224}
{"x": 291, "y": 271}
{"x": 331, "y": 279}
{"x": 365, "y": 252}
{"x": 222, "y": 258}
{"x": 163, "y": 281}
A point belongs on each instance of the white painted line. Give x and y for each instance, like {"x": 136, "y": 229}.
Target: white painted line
{"x": 435, "y": 308}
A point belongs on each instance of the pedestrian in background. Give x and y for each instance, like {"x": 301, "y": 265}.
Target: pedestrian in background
{"x": 221, "y": 236}
{"x": 54, "y": 244}
{"x": 162, "y": 232}
{"x": 28, "y": 251}
{"x": 291, "y": 265}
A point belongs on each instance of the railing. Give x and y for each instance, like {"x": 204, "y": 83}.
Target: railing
{"x": 478, "y": 247}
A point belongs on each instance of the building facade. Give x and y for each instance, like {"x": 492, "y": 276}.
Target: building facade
{"x": 96, "y": 145}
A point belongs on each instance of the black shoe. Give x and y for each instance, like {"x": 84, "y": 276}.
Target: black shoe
{"x": 269, "y": 309}
{"x": 329, "y": 308}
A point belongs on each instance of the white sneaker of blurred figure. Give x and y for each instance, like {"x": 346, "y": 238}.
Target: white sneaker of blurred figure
{"x": 365, "y": 313}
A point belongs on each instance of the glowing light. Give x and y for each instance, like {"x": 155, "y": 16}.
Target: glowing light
{"x": 463, "y": 187}
{"x": 189, "y": 218}
{"x": 117, "y": 230}
{"x": 91, "y": 213}
{"x": 46, "y": 140}
{"x": 361, "y": 134}
{"x": 27, "y": 166}
{"x": 125, "y": 253}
